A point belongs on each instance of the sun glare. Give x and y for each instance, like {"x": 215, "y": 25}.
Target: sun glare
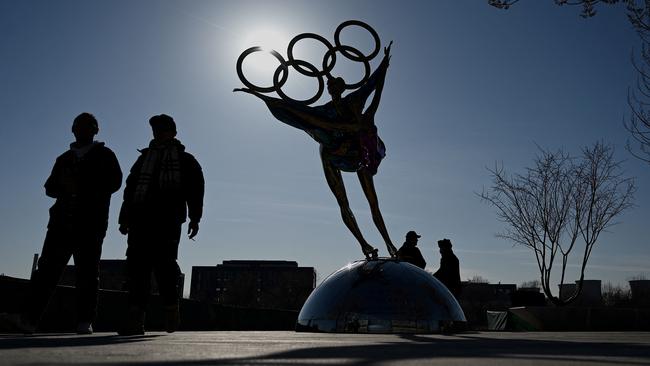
{"x": 269, "y": 39}
{"x": 259, "y": 67}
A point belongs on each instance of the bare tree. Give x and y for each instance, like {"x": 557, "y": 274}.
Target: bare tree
{"x": 616, "y": 296}
{"x": 639, "y": 15}
{"x": 588, "y": 6}
{"x": 560, "y": 204}
{"x": 531, "y": 284}
{"x": 478, "y": 279}
{"x": 638, "y": 12}
{"x": 638, "y": 124}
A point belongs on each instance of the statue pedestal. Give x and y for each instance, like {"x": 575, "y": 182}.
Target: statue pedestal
{"x": 380, "y": 296}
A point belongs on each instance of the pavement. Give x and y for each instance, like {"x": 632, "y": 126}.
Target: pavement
{"x": 290, "y": 348}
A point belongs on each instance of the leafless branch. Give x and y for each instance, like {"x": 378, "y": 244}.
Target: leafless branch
{"x": 559, "y": 201}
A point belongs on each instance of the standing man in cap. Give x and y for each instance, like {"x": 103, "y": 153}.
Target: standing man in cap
{"x": 449, "y": 272}
{"x": 82, "y": 182}
{"x": 409, "y": 252}
{"x": 164, "y": 187}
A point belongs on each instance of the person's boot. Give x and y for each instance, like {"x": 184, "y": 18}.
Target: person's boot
{"x": 17, "y": 323}
{"x": 84, "y": 328}
{"x": 172, "y": 318}
{"x": 134, "y": 323}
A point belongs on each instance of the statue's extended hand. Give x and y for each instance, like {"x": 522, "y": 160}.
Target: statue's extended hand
{"x": 192, "y": 229}
{"x": 387, "y": 49}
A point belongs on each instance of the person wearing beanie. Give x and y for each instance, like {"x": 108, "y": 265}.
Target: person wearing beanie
{"x": 449, "y": 271}
{"x": 164, "y": 188}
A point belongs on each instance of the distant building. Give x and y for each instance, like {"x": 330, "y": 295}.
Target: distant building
{"x": 112, "y": 276}
{"x": 591, "y": 294}
{"x": 487, "y": 293}
{"x": 258, "y": 284}
{"x": 477, "y": 297}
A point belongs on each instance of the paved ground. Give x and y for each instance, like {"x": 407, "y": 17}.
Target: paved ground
{"x": 278, "y": 348}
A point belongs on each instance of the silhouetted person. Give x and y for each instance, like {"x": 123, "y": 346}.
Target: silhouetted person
{"x": 409, "y": 252}
{"x": 82, "y": 181}
{"x": 449, "y": 272}
{"x": 164, "y": 187}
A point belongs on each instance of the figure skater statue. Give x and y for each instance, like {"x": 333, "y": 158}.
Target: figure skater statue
{"x": 348, "y": 141}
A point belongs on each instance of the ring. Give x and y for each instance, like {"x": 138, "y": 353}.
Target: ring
{"x": 283, "y": 66}
{"x": 305, "y": 68}
{"x": 326, "y": 68}
{"x": 277, "y": 84}
{"x": 365, "y": 60}
{"x": 337, "y": 40}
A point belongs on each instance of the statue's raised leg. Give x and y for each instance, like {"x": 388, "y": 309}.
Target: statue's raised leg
{"x": 368, "y": 186}
{"x": 335, "y": 182}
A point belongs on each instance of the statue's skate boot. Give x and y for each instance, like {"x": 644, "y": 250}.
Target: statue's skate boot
{"x": 370, "y": 253}
{"x": 391, "y": 250}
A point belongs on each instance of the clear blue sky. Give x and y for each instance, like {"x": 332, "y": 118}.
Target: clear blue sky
{"x": 469, "y": 85}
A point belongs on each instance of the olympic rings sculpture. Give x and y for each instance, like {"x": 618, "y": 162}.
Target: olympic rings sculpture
{"x": 303, "y": 67}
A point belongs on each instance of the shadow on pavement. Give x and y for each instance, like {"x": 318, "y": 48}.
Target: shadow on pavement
{"x": 66, "y": 340}
{"x": 466, "y": 346}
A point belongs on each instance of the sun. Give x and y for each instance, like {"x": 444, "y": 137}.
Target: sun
{"x": 268, "y": 39}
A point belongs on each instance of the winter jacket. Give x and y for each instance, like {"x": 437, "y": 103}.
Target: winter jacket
{"x": 82, "y": 186}
{"x": 449, "y": 271}
{"x": 162, "y": 207}
{"x": 411, "y": 254}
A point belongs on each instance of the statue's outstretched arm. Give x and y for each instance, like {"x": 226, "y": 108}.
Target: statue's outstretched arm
{"x": 265, "y": 98}
{"x": 379, "y": 82}
{"x": 299, "y": 115}
{"x": 315, "y": 119}
{"x": 376, "y": 78}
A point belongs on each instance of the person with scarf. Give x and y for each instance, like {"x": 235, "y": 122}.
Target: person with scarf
{"x": 82, "y": 182}
{"x": 164, "y": 188}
